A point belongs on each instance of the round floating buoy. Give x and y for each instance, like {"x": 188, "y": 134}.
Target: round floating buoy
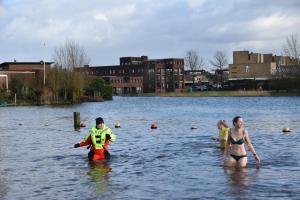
{"x": 194, "y": 127}
{"x": 286, "y": 130}
{"x": 82, "y": 124}
{"x": 117, "y": 125}
{"x": 153, "y": 126}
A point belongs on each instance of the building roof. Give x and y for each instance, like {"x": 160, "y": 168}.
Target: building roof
{"x": 104, "y": 66}
{"x": 16, "y": 72}
{"x": 242, "y": 78}
{"x": 159, "y": 59}
{"x": 24, "y": 63}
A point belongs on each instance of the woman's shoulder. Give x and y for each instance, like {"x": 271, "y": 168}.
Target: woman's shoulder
{"x": 245, "y": 132}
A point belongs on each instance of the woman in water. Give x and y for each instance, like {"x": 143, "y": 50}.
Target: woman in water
{"x": 237, "y": 138}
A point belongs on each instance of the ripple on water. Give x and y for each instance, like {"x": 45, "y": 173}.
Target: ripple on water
{"x": 171, "y": 162}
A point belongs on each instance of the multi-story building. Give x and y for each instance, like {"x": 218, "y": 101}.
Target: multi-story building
{"x": 140, "y": 74}
{"x": 257, "y": 66}
{"x": 195, "y": 76}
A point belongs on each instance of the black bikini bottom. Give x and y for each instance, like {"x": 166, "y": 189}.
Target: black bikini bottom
{"x": 237, "y": 158}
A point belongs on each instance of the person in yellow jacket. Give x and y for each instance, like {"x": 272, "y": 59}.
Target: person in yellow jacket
{"x": 223, "y": 132}
{"x": 98, "y": 137}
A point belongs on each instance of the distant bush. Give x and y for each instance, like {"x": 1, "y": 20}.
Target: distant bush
{"x": 4, "y": 95}
{"x": 107, "y": 92}
{"x": 97, "y": 88}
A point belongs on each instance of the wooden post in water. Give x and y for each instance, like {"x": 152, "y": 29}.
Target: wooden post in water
{"x": 76, "y": 120}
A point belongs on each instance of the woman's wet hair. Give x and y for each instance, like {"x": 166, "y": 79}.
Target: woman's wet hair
{"x": 235, "y": 119}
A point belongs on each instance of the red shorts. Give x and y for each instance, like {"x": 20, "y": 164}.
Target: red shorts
{"x": 98, "y": 154}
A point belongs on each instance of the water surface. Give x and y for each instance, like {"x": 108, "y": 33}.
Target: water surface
{"x": 38, "y": 161}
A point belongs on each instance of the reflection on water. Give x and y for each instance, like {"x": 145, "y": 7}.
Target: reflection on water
{"x": 99, "y": 175}
{"x": 240, "y": 179}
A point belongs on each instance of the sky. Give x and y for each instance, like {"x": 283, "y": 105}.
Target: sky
{"x": 30, "y": 30}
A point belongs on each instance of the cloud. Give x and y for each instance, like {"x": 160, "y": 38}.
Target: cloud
{"x": 1, "y": 9}
{"x": 157, "y": 28}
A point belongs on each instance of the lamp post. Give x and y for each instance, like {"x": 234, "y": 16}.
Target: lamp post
{"x": 44, "y": 73}
{"x": 43, "y": 62}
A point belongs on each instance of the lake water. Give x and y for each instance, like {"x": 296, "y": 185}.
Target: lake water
{"x": 38, "y": 161}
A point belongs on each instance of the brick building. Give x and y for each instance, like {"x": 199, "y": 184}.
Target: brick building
{"x": 23, "y": 71}
{"x": 140, "y": 74}
{"x": 196, "y": 76}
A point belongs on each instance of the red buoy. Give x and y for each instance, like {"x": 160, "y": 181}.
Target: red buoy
{"x": 82, "y": 124}
{"x": 153, "y": 126}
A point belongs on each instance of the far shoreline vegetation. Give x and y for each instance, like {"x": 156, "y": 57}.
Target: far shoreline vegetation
{"x": 90, "y": 89}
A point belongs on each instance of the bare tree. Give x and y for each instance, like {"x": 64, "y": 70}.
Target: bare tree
{"x": 194, "y": 62}
{"x": 70, "y": 56}
{"x": 292, "y": 47}
{"x": 66, "y": 78}
{"x": 219, "y": 60}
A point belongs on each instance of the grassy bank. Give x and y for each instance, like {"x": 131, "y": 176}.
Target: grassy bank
{"x": 241, "y": 93}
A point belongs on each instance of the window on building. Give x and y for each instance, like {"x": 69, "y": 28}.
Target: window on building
{"x": 158, "y": 84}
{"x": 247, "y": 69}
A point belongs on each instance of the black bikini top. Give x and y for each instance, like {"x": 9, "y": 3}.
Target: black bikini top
{"x": 239, "y": 142}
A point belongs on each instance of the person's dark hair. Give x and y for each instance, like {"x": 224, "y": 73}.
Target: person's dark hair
{"x": 99, "y": 120}
{"x": 235, "y": 119}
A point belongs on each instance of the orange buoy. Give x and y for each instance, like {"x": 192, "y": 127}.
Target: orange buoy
{"x": 153, "y": 126}
{"x": 286, "y": 130}
{"x": 82, "y": 124}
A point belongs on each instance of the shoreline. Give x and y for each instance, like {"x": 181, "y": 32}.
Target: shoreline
{"x": 240, "y": 93}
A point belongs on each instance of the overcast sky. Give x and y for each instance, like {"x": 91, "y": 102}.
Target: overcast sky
{"x": 109, "y": 29}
